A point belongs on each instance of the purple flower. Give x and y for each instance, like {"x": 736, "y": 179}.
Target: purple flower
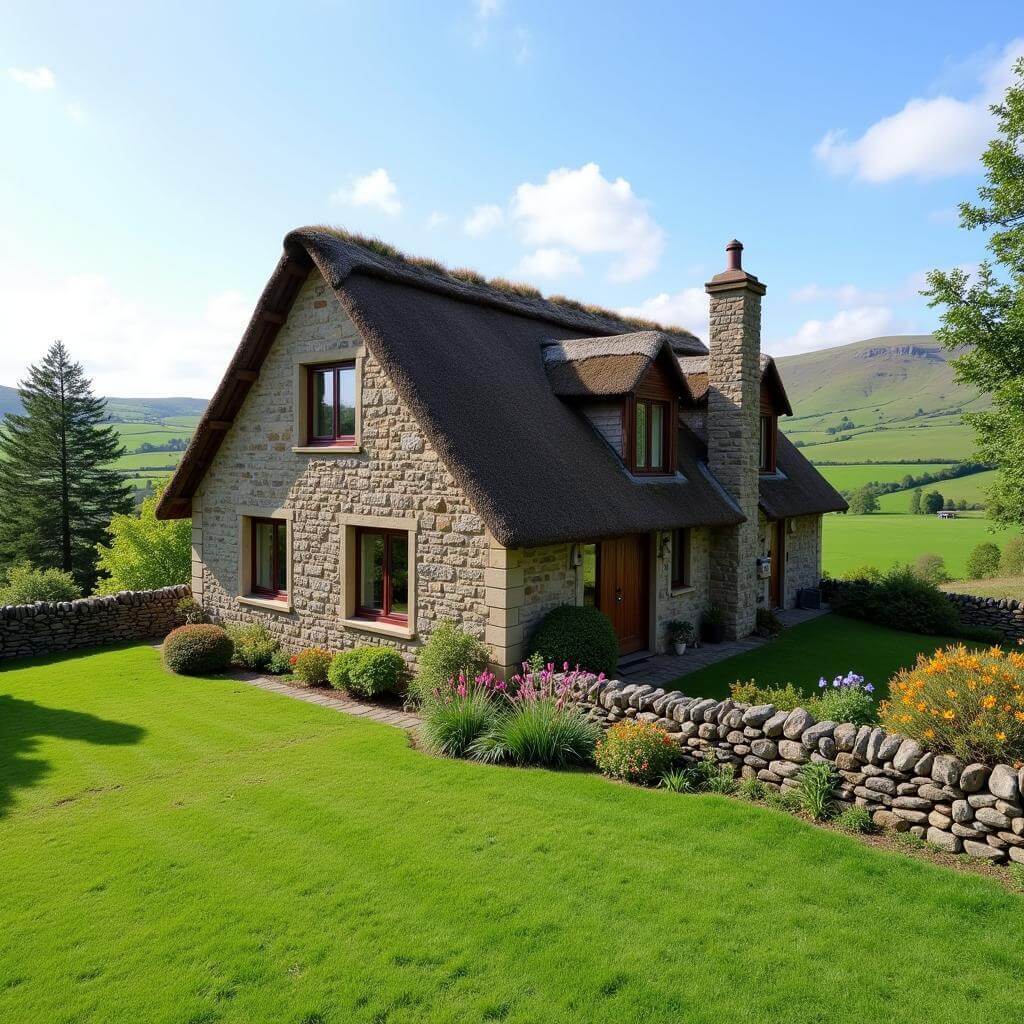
{"x": 868, "y": 688}
{"x": 821, "y": 683}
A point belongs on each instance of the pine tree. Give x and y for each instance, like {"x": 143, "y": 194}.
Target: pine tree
{"x": 58, "y": 491}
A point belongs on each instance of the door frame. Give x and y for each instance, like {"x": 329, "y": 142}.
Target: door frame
{"x": 644, "y": 546}
{"x": 777, "y": 582}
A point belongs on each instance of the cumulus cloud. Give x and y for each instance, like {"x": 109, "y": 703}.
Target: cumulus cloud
{"x": 128, "y": 346}
{"x": 33, "y": 78}
{"x": 549, "y": 263}
{"x": 853, "y": 295}
{"x": 847, "y": 325}
{"x": 483, "y": 220}
{"x": 582, "y": 210}
{"x": 436, "y": 220}
{"x": 928, "y": 138}
{"x": 687, "y": 308}
{"x": 375, "y": 189}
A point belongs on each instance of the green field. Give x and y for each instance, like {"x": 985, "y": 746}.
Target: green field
{"x": 882, "y": 540}
{"x": 148, "y": 459}
{"x": 191, "y": 851}
{"x": 970, "y": 488}
{"x": 849, "y": 478}
{"x": 131, "y": 439}
{"x": 921, "y": 442}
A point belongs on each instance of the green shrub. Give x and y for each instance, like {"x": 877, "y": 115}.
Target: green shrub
{"x": 254, "y": 646}
{"x": 815, "y": 784}
{"x": 635, "y": 751}
{"x": 191, "y": 611}
{"x": 451, "y": 727}
{"x": 785, "y": 698}
{"x": 196, "y": 649}
{"x": 783, "y": 800}
{"x": 768, "y": 623}
{"x": 447, "y": 652}
{"x": 931, "y": 568}
{"x": 577, "y": 635}
{"x": 752, "y": 789}
{"x": 983, "y": 562}
{"x": 280, "y": 663}
{"x": 25, "y": 585}
{"x": 538, "y": 732}
{"x": 848, "y": 704}
{"x": 855, "y": 819}
{"x": 367, "y": 671}
{"x": 899, "y": 599}
{"x": 1011, "y": 563}
{"x": 310, "y": 666}
{"x": 716, "y": 777}
{"x": 678, "y": 780}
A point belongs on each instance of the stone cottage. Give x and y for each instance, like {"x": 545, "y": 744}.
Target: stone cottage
{"x": 394, "y": 444}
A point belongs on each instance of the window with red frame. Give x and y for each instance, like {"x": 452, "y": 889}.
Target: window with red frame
{"x": 650, "y": 436}
{"x": 268, "y": 547}
{"x": 382, "y": 575}
{"x": 331, "y": 404}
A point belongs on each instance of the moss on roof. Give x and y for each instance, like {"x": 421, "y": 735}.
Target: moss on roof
{"x": 499, "y": 284}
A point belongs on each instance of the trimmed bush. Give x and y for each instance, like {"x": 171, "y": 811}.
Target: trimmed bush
{"x": 451, "y": 727}
{"x": 969, "y": 703}
{"x": 197, "y": 648}
{"x": 538, "y": 732}
{"x": 633, "y": 751}
{"x": 310, "y": 666}
{"x": 448, "y": 652}
{"x": 254, "y": 646}
{"x": 577, "y": 635}
{"x": 367, "y": 671}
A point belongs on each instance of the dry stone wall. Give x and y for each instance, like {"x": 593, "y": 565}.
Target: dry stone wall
{"x": 1005, "y": 616}
{"x": 27, "y": 630}
{"x": 961, "y": 808}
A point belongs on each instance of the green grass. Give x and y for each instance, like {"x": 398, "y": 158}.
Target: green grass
{"x": 947, "y": 441}
{"x": 826, "y": 646}
{"x": 188, "y": 850}
{"x": 850, "y": 542}
{"x": 971, "y": 488}
{"x": 148, "y": 459}
{"x": 849, "y": 478}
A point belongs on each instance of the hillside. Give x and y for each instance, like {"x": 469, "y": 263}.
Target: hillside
{"x": 126, "y": 410}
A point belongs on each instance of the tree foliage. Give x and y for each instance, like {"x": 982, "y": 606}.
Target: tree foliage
{"x": 915, "y": 502}
{"x": 57, "y": 488}
{"x": 145, "y": 552}
{"x": 932, "y": 502}
{"x": 863, "y": 501}
{"x": 983, "y": 315}
{"x": 983, "y": 562}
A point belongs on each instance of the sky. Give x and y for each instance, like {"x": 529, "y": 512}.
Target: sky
{"x": 153, "y": 156}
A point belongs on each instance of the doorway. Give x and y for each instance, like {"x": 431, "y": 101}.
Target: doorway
{"x": 623, "y": 594}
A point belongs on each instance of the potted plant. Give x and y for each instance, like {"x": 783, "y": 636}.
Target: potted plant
{"x": 680, "y": 633}
{"x": 713, "y": 624}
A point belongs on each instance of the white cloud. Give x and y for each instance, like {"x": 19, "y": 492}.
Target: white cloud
{"x": 928, "y": 138}
{"x": 847, "y": 325}
{"x": 483, "y": 220}
{"x": 36, "y": 78}
{"x": 128, "y": 346}
{"x": 687, "y": 308}
{"x": 375, "y": 189}
{"x": 488, "y": 8}
{"x": 584, "y": 211}
{"x": 436, "y": 220}
{"x": 549, "y": 263}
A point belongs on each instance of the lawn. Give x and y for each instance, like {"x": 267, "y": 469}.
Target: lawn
{"x": 850, "y": 542}
{"x": 826, "y": 646}
{"x": 849, "y": 478}
{"x": 179, "y": 850}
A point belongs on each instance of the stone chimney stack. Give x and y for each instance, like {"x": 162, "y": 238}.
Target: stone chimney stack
{"x": 733, "y": 429}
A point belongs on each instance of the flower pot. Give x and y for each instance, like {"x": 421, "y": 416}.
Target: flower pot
{"x": 679, "y": 648}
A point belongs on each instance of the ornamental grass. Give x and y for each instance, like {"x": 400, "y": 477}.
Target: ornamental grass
{"x": 969, "y": 703}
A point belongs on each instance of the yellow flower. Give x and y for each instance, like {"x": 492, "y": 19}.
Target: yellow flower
{"x": 1000, "y": 736}
{"x": 988, "y": 701}
{"x": 948, "y": 716}
{"x": 951, "y": 694}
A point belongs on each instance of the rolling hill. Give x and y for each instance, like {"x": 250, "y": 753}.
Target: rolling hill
{"x": 127, "y": 410}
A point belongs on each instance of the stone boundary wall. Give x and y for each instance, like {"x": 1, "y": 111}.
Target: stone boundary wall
{"x": 960, "y": 808}
{"x": 1004, "y": 615}
{"x": 50, "y": 626}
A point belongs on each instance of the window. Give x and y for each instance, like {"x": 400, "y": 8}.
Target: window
{"x": 650, "y": 436}
{"x": 268, "y": 552}
{"x": 767, "y": 443}
{"x": 680, "y": 559}
{"x": 382, "y": 575}
{"x": 331, "y": 404}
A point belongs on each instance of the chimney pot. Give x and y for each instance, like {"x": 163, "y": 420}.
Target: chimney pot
{"x": 734, "y": 253}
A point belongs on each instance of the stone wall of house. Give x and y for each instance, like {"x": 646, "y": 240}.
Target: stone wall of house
{"x": 688, "y": 604}
{"x": 1006, "y": 616}
{"x": 46, "y": 627}
{"x": 803, "y": 557}
{"x": 961, "y": 808}
{"x": 549, "y": 580}
{"x": 396, "y": 474}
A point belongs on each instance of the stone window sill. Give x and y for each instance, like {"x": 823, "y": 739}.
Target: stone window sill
{"x": 328, "y": 449}
{"x": 265, "y": 602}
{"x": 682, "y": 591}
{"x": 383, "y": 628}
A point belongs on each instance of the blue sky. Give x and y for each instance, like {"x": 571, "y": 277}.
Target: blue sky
{"x": 152, "y": 159}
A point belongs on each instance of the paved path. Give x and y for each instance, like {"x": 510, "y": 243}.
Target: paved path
{"x": 663, "y": 668}
{"x": 332, "y": 699}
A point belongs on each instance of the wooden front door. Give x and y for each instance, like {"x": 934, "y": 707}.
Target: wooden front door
{"x": 776, "y": 589}
{"x": 622, "y": 589}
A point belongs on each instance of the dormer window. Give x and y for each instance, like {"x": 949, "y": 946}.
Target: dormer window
{"x": 650, "y": 436}
{"x": 769, "y": 432}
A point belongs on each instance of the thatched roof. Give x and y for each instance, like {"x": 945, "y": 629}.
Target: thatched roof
{"x": 695, "y": 369}
{"x": 467, "y": 357}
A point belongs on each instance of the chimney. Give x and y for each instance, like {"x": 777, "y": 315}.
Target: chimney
{"x": 733, "y": 427}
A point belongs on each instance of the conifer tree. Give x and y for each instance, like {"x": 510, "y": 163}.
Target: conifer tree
{"x": 58, "y": 490}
